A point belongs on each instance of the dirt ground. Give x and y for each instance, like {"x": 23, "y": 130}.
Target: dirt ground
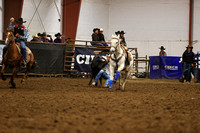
{"x": 66, "y": 105}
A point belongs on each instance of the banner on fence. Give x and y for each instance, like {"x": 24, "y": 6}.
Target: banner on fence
{"x": 168, "y": 67}
{"x": 49, "y": 58}
{"x": 83, "y": 58}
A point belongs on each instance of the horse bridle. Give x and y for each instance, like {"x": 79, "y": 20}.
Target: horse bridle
{"x": 117, "y": 44}
{"x": 116, "y": 60}
{"x": 8, "y": 41}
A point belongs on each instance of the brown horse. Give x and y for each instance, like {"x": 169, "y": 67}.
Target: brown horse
{"x": 13, "y": 59}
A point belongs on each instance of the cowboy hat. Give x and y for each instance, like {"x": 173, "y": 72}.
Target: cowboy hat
{"x": 190, "y": 46}
{"x": 20, "y": 20}
{"x": 162, "y": 48}
{"x": 36, "y": 35}
{"x": 58, "y": 34}
{"x": 122, "y": 32}
{"x": 95, "y": 29}
{"x": 118, "y": 32}
{"x": 101, "y": 29}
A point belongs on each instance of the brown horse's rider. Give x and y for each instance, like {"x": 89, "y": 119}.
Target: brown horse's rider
{"x": 21, "y": 34}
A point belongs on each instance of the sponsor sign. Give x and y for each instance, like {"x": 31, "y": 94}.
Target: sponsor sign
{"x": 83, "y": 58}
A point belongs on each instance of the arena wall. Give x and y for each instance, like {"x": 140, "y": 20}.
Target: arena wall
{"x": 93, "y": 14}
{"x": 196, "y": 27}
{"x": 1, "y": 19}
{"x": 148, "y": 23}
{"x": 46, "y": 19}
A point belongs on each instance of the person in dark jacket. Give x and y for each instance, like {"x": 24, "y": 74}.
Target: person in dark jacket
{"x": 123, "y": 41}
{"x": 45, "y": 39}
{"x": 95, "y": 38}
{"x": 188, "y": 63}
{"x": 58, "y": 38}
{"x": 117, "y": 33}
{"x": 101, "y": 37}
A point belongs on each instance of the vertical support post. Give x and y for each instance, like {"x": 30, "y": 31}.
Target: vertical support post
{"x": 12, "y": 8}
{"x": 70, "y": 17}
{"x": 191, "y": 21}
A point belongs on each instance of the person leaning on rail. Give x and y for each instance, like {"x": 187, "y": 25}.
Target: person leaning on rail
{"x": 45, "y": 39}
{"x": 101, "y": 37}
{"x": 35, "y": 38}
{"x": 95, "y": 38}
{"x": 58, "y": 38}
{"x": 21, "y": 34}
{"x": 162, "y": 51}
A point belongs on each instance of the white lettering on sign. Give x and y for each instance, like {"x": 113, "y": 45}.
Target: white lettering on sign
{"x": 80, "y": 58}
{"x": 174, "y": 68}
{"x": 85, "y": 59}
{"x": 155, "y": 67}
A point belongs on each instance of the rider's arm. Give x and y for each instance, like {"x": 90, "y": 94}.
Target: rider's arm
{"x": 10, "y": 26}
{"x": 26, "y": 34}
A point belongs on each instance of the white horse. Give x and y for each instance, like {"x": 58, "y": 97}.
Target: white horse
{"x": 117, "y": 61}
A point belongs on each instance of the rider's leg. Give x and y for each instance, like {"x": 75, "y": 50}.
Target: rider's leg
{"x": 106, "y": 76}
{"x": 23, "y": 48}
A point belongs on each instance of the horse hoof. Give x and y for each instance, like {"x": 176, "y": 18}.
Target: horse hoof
{"x": 22, "y": 80}
{"x": 3, "y": 78}
{"x": 123, "y": 90}
{"x": 110, "y": 90}
{"x": 117, "y": 89}
{"x": 13, "y": 85}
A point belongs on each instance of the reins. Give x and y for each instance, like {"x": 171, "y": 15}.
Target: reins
{"x": 115, "y": 59}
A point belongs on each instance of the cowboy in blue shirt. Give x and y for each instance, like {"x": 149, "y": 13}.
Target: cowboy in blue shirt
{"x": 21, "y": 34}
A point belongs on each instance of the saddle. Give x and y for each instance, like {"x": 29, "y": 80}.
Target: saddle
{"x": 18, "y": 45}
{"x": 128, "y": 56}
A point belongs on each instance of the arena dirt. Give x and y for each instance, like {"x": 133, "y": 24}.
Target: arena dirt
{"x": 64, "y": 105}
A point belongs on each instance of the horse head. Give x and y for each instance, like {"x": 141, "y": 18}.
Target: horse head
{"x": 115, "y": 42}
{"x": 9, "y": 37}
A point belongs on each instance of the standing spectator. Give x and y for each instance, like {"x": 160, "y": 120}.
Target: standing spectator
{"x": 95, "y": 38}
{"x": 188, "y": 63}
{"x": 35, "y": 38}
{"x": 58, "y": 38}
{"x": 123, "y": 42}
{"x": 162, "y": 51}
{"x": 45, "y": 39}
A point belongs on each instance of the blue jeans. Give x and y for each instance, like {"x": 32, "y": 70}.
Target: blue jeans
{"x": 187, "y": 71}
{"x": 105, "y": 75}
{"x": 23, "y": 48}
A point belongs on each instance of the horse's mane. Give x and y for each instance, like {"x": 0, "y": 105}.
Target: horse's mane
{"x": 115, "y": 37}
